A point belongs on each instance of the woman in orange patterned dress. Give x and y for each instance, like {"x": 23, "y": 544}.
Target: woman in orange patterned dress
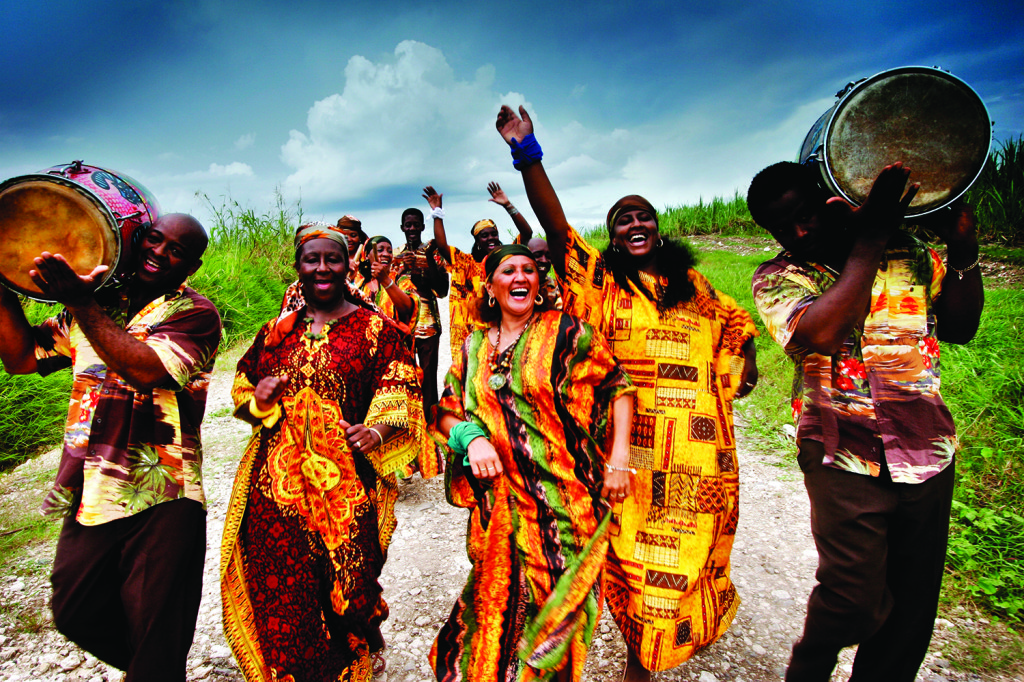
{"x": 331, "y": 391}
{"x": 526, "y": 409}
{"x": 689, "y": 350}
{"x": 382, "y": 281}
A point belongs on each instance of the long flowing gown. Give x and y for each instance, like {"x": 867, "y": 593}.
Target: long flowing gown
{"x": 668, "y": 584}
{"x": 537, "y": 537}
{"x": 309, "y": 522}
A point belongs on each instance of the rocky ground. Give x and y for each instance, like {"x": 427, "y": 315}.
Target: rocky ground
{"x": 773, "y": 567}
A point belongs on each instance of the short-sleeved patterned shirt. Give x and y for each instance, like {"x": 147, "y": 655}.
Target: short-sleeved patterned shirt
{"x": 126, "y": 451}
{"x": 879, "y": 395}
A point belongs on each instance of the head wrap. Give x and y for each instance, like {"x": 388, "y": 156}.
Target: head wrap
{"x": 481, "y": 225}
{"x": 502, "y": 254}
{"x": 319, "y": 230}
{"x": 350, "y": 222}
{"x": 632, "y": 202}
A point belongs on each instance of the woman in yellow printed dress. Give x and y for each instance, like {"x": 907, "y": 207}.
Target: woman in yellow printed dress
{"x": 331, "y": 391}
{"x": 389, "y": 288}
{"x": 689, "y": 350}
{"x": 527, "y": 403}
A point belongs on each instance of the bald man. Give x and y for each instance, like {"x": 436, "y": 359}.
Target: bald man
{"x": 127, "y": 576}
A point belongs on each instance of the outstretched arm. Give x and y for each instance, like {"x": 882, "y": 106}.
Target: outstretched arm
{"x": 539, "y": 191}
{"x": 830, "y": 320}
{"x": 499, "y": 197}
{"x": 136, "y": 362}
{"x": 440, "y": 237}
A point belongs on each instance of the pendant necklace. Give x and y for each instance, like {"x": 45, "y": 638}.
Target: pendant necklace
{"x": 500, "y": 368}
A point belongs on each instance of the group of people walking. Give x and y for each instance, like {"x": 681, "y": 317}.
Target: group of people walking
{"x": 586, "y": 424}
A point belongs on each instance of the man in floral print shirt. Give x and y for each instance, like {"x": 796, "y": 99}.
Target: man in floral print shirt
{"x": 127, "y": 577}
{"x": 859, "y": 306}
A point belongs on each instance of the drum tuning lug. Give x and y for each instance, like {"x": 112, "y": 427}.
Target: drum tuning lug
{"x": 75, "y": 167}
{"x": 120, "y": 218}
{"x": 849, "y": 86}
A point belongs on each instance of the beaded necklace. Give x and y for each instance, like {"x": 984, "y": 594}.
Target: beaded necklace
{"x": 499, "y": 368}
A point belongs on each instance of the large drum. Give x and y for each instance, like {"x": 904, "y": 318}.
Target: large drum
{"x": 930, "y": 120}
{"x": 89, "y": 215}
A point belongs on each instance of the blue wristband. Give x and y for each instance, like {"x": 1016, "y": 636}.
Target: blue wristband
{"x": 526, "y": 152}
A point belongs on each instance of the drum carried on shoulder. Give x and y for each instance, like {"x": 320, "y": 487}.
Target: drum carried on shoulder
{"x": 925, "y": 117}
{"x": 92, "y": 216}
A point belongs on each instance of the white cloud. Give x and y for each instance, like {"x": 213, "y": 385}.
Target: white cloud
{"x": 245, "y": 141}
{"x": 407, "y": 120}
{"x": 235, "y": 168}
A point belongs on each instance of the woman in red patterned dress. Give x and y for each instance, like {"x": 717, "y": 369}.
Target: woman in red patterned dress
{"x": 331, "y": 392}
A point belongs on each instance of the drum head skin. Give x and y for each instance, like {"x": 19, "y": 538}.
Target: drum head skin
{"x": 42, "y": 214}
{"x": 931, "y": 121}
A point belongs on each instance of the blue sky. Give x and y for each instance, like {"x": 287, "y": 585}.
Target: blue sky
{"x": 353, "y": 107}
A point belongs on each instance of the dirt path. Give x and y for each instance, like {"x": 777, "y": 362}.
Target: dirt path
{"x": 773, "y": 568}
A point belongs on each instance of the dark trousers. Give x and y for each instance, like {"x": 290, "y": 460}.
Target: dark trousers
{"x": 881, "y": 553}
{"x": 427, "y": 351}
{"x": 128, "y": 591}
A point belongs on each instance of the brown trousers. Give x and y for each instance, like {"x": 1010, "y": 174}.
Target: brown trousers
{"x": 128, "y": 591}
{"x": 881, "y": 553}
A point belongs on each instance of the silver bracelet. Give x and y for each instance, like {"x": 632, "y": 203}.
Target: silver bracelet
{"x": 388, "y": 286}
{"x": 512, "y": 210}
{"x": 960, "y": 273}
{"x": 609, "y": 467}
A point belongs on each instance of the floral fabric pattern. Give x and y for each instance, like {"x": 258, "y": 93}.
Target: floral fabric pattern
{"x": 124, "y": 450}
{"x": 886, "y": 375}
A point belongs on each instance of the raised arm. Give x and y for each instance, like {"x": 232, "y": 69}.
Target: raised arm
{"x": 830, "y": 320}
{"x": 962, "y": 296}
{"x": 437, "y": 277}
{"x": 136, "y": 362}
{"x": 404, "y": 305}
{"x": 17, "y": 347}
{"x": 499, "y": 197}
{"x": 543, "y": 199}
{"x": 440, "y": 237}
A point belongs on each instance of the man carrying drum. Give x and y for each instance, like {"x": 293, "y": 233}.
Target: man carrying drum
{"x": 860, "y": 306}
{"x": 127, "y": 575}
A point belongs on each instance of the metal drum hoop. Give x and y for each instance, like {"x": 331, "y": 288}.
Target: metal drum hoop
{"x": 818, "y": 143}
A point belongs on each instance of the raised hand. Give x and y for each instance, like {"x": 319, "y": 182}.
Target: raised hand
{"x": 57, "y": 279}
{"x": 498, "y": 195}
{"x": 887, "y": 203}
{"x": 954, "y": 224}
{"x": 269, "y": 390}
{"x": 380, "y": 271}
{"x": 511, "y": 126}
{"x": 432, "y": 197}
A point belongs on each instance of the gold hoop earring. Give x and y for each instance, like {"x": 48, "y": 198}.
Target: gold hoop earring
{"x": 490, "y": 300}
{"x": 539, "y": 299}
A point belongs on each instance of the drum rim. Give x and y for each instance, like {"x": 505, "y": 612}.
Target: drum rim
{"x": 837, "y": 107}
{"x": 104, "y": 209}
